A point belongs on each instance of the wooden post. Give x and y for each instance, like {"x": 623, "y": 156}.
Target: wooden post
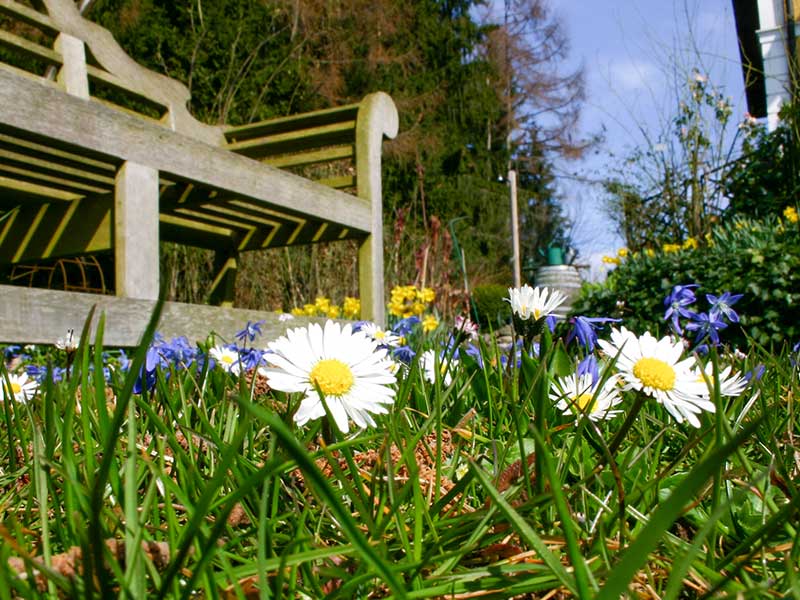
{"x": 377, "y": 116}
{"x": 72, "y": 75}
{"x": 223, "y": 288}
{"x": 136, "y": 232}
{"x": 512, "y": 187}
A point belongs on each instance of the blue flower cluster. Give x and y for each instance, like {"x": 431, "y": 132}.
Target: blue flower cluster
{"x": 705, "y": 325}
{"x": 167, "y": 355}
{"x": 179, "y": 354}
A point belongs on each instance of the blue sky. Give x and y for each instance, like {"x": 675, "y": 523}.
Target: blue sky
{"x": 629, "y": 49}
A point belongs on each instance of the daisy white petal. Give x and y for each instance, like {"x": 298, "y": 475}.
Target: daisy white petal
{"x": 730, "y": 384}
{"x": 537, "y": 303}
{"x": 578, "y": 395}
{"x": 348, "y": 368}
{"x": 380, "y": 335}
{"x": 429, "y": 362}
{"x": 654, "y": 367}
{"x": 22, "y": 389}
{"x": 226, "y": 358}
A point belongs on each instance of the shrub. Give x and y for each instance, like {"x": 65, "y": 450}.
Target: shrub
{"x": 759, "y": 259}
{"x": 492, "y": 311}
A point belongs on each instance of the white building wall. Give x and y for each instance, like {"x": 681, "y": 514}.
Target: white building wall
{"x": 773, "y": 40}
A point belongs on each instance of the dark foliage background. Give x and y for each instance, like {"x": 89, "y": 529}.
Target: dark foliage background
{"x": 474, "y": 95}
{"x": 756, "y": 258}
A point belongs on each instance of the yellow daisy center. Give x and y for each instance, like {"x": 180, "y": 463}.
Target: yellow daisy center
{"x": 379, "y": 335}
{"x": 15, "y": 388}
{"x": 537, "y": 314}
{"x": 332, "y": 376}
{"x": 227, "y": 359}
{"x": 583, "y": 401}
{"x": 654, "y": 373}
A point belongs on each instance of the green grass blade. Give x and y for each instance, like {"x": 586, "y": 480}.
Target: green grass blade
{"x": 334, "y": 503}
{"x": 582, "y": 578}
{"x": 524, "y": 530}
{"x": 664, "y": 516}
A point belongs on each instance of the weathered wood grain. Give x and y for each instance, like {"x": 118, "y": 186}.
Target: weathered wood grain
{"x": 37, "y": 316}
{"x": 28, "y": 105}
{"x": 136, "y": 263}
{"x": 73, "y": 75}
{"x": 61, "y": 146}
{"x": 377, "y": 117}
{"x": 306, "y": 120}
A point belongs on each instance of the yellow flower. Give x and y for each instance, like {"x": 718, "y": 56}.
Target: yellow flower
{"x": 709, "y": 240}
{"x": 298, "y": 311}
{"x": 351, "y": 307}
{"x": 322, "y": 303}
{"x": 429, "y": 323}
{"x": 649, "y": 252}
{"x": 790, "y": 212}
{"x": 611, "y": 260}
{"x": 333, "y": 311}
{"x": 426, "y": 295}
{"x": 417, "y": 308}
{"x": 398, "y": 293}
{"x": 310, "y": 309}
{"x": 667, "y": 248}
{"x": 690, "y": 243}
{"x": 622, "y": 252}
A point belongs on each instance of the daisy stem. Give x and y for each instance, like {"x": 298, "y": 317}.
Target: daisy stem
{"x": 623, "y": 431}
{"x": 540, "y": 396}
{"x": 719, "y": 439}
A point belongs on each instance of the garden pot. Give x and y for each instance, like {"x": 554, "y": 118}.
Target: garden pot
{"x": 565, "y": 279}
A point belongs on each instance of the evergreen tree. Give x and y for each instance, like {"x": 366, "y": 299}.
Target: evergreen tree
{"x": 247, "y": 60}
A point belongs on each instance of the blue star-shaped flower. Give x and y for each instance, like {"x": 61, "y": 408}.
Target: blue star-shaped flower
{"x": 722, "y": 305}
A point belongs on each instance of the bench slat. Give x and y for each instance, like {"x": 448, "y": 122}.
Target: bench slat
{"x": 339, "y": 183}
{"x": 16, "y": 192}
{"x": 52, "y": 168}
{"x": 18, "y": 11}
{"x": 308, "y": 120}
{"x": 29, "y": 49}
{"x": 50, "y": 153}
{"x": 112, "y": 81}
{"x": 311, "y": 158}
{"x": 296, "y": 141}
{"x": 68, "y": 185}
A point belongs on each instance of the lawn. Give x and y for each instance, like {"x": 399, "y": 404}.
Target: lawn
{"x": 347, "y": 461}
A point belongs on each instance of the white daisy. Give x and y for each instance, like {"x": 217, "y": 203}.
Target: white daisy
{"x": 527, "y": 302}
{"x": 353, "y": 374}
{"x": 655, "y": 368}
{"x": 578, "y": 395}
{"x": 227, "y": 359}
{"x": 67, "y": 343}
{"x": 380, "y": 335}
{"x": 730, "y": 384}
{"x": 428, "y": 362}
{"x": 22, "y": 388}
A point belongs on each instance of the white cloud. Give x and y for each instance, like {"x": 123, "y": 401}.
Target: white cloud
{"x": 633, "y": 74}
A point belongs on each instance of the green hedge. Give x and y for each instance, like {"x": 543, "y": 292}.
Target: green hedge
{"x": 492, "y": 311}
{"x": 760, "y": 259}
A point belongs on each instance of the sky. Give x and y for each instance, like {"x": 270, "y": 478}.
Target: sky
{"x": 629, "y": 49}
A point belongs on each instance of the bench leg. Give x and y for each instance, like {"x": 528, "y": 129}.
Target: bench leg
{"x": 223, "y": 288}
{"x": 370, "y": 279}
{"x": 136, "y": 232}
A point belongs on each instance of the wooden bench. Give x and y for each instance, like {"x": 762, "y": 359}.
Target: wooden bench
{"x": 80, "y": 175}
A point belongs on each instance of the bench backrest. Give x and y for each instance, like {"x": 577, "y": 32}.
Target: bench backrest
{"x": 85, "y": 60}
